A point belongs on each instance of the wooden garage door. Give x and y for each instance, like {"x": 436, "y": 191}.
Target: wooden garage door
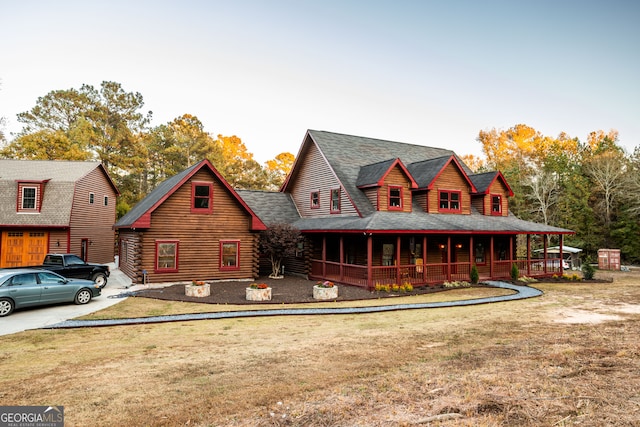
{"x": 20, "y": 248}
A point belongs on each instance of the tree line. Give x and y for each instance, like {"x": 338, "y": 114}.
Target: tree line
{"x": 108, "y": 124}
{"x": 591, "y": 187}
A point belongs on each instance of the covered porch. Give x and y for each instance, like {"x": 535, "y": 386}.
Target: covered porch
{"x": 367, "y": 259}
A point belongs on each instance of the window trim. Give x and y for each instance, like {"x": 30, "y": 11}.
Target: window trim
{"x": 173, "y": 269}
{"x": 449, "y": 193}
{"x": 237, "y": 258}
{"x": 400, "y": 198}
{"x": 92, "y": 197}
{"x": 21, "y": 198}
{"x": 106, "y": 201}
{"x": 491, "y": 204}
{"x": 315, "y": 193}
{"x": 332, "y": 192}
{"x": 209, "y": 208}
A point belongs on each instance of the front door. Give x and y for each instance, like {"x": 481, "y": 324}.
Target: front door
{"x": 84, "y": 250}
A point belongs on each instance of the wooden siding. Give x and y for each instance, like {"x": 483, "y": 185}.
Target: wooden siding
{"x": 93, "y": 222}
{"x": 199, "y": 236}
{"x": 316, "y": 175}
{"x": 130, "y": 256}
{"x": 497, "y": 188}
{"x": 395, "y": 178}
{"x": 451, "y": 179}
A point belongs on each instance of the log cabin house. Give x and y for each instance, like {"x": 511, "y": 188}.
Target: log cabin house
{"x": 55, "y": 206}
{"x": 192, "y": 226}
{"x": 374, "y": 211}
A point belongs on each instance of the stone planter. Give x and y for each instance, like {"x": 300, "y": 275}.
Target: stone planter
{"x": 325, "y": 293}
{"x": 197, "y": 290}
{"x": 258, "y": 294}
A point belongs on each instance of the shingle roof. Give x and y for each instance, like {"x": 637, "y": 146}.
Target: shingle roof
{"x": 359, "y": 161}
{"x": 153, "y": 198}
{"x": 139, "y": 215}
{"x": 272, "y": 207}
{"x": 347, "y": 154}
{"x": 420, "y": 221}
{"x": 424, "y": 172}
{"x": 483, "y": 180}
{"x": 61, "y": 177}
{"x": 371, "y": 174}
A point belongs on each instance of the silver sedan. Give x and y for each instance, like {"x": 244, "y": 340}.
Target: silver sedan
{"x": 25, "y": 287}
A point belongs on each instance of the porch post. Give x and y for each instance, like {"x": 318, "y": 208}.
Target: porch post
{"x": 449, "y": 258}
{"x": 472, "y": 258}
{"x": 424, "y": 259}
{"x": 544, "y": 239}
{"x": 528, "y": 254}
{"x": 324, "y": 256}
{"x": 561, "y": 238}
{"x": 398, "y": 253}
{"x": 491, "y": 257}
{"x": 341, "y": 257}
{"x": 370, "y": 283}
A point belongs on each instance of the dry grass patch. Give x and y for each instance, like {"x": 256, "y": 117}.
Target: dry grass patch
{"x": 493, "y": 364}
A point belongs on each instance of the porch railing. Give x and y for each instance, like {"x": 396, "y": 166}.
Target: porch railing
{"x": 353, "y": 274}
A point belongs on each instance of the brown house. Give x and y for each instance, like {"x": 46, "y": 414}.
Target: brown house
{"x": 193, "y": 226}
{"x": 55, "y": 206}
{"x": 375, "y": 211}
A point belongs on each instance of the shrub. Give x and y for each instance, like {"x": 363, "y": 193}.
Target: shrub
{"x": 456, "y": 284}
{"x": 588, "y": 270}
{"x": 474, "y": 275}
{"x": 514, "y": 272}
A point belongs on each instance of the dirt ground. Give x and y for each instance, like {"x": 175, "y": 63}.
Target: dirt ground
{"x": 289, "y": 290}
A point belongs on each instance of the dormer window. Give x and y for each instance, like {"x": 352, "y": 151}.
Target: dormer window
{"x": 395, "y": 198}
{"x": 29, "y": 196}
{"x": 496, "y": 204}
{"x": 449, "y": 201}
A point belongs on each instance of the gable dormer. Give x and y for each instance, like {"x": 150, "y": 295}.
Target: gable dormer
{"x": 388, "y": 185}
{"x": 30, "y": 195}
{"x": 443, "y": 185}
{"x": 492, "y": 193}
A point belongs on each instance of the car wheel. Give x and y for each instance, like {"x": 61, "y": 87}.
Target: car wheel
{"x": 100, "y": 279}
{"x": 83, "y": 296}
{"x": 6, "y": 307}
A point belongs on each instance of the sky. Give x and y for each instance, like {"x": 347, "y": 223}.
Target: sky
{"x": 426, "y": 72}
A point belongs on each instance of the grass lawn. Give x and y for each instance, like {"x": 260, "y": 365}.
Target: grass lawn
{"x": 570, "y": 357}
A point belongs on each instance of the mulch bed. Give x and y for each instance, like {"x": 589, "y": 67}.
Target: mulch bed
{"x": 289, "y": 290}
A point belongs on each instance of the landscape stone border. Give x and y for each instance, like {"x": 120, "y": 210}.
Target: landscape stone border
{"x": 522, "y": 292}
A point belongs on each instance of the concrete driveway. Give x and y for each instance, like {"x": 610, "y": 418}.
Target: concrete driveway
{"x": 39, "y": 317}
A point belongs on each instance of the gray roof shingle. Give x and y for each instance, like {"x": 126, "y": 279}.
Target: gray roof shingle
{"x": 57, "y": 194}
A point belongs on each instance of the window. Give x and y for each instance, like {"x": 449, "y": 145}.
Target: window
{"x": 335, "y": 200}
{"x": 29, "y": 198}
{"x": 395, "y": 198}
{"x": 229, "y": 255}
{"x": 449, "y": 201}
{"x": 300, "y": 249}
{"x": 91, "y": 198}
{"x": 106, "y": 200}
{"x": 202, "y": 197}
{"x": 315, "y": 199}
{"x": 166, "y": 256}
{"x": 496, "y": 205}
